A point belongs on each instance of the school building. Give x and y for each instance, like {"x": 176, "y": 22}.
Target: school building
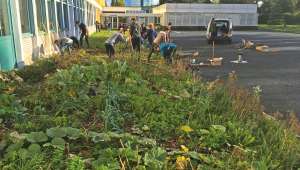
{"x": 183, "y": 15}
{"x": 28, "y": 28}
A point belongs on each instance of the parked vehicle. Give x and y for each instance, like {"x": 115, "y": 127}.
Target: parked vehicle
{"x": 219, "y": 30}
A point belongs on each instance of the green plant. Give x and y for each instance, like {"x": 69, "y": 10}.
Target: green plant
{"x": 24, "y": 159}
{"x": 75, "y": 163}
{"x": 216, "y": 138}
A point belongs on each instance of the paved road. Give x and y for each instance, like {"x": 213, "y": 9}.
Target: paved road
{"x": 278, "y": 73}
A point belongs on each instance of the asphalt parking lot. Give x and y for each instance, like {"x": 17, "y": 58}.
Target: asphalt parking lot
{"x": 277, "y": 73}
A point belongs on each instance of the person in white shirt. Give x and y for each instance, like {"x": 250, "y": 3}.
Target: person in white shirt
{"x": 160, "y": 38}
{"x": 63, "y": 44}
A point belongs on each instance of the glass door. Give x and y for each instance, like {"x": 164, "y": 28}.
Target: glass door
{"x": 7, "y": 50}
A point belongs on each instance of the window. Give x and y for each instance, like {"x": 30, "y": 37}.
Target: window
{"x": 26, "y": 16}
{"x": 59, "y": 16}
{"x": 4, "y": 19}
{"x": 41, "y": 15}
{"x": 76, "y": 18}
{"x": 66, "y": 17}
{"x": 51, "y": 12}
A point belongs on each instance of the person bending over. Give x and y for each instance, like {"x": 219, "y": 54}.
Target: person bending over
{"x": 112, "y": 41}
{"x": 83, "y": 33}
{"x": 63, "y": 44}
{"x": 160, "y": 38}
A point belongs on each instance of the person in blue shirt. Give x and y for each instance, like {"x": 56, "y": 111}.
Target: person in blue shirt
{"x": 151, "y": 34}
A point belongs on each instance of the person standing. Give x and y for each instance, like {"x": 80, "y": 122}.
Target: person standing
{"x": 98, "y": 26}
{"x": 151, "y": 34}
{"x": 135, "y": 35}
{"x": 83, "y": 33}
{"x": 112, "y": 41}
{"x": 213, "y": 30}
{"x": 169, "y": 30}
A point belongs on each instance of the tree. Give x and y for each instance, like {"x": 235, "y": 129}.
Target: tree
{"x": 117, "y": 3}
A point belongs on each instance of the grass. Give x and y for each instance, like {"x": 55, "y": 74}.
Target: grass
{"x": 97, "y": 39}
{"x": 87, "y": 112}
{"x": 280, "y": 28}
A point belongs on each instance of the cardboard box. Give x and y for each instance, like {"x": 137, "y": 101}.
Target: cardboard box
{"x": 216, "y": 61}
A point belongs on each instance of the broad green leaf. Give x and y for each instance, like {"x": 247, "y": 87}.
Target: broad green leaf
{"x": 56, "y": 132}
{"x": 36, "y": 137}
{"x": 60, "y": 142}
{"x": 34, "y": 148}
{"x": 72, "y": 133}
{"x": 14, "y": 147}
{"x": 100, "y": 137}
{"x": 219, "y": 127}
{"x": 194, "y": 155}
{"x": 203, "y": 132}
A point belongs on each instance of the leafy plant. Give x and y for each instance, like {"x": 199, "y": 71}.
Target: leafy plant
{"x": 155, "y": 158}
{"x": 59, "y": 142}
{"x": 75, "y": 163}
{"x": 56, "y": 132}
{"x": 36, "y": 137}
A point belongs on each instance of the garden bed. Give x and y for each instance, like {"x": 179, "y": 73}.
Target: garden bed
{"x": 87, "y": 112}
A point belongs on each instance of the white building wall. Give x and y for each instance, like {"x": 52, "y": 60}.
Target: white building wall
{"x": 200, "y": 14}
{"x": 30, "y": 47}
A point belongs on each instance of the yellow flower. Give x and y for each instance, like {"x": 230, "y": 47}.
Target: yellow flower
{"x": 184, "y": 148}
{"x": 181, "y": 163}
{"x": 72, "y": 93}
{"x": 186, "y": 128}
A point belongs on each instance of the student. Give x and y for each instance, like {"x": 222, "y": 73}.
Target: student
{"x": 109, "y": 26}
{"x": 98, "y": 26}
{"x": 63, "y": 44}
{"x": 168, "y": 50}
{"x": 112, "y": 41}
{"x": 151, "y": 34}
{"x": 213, "y": 30}
{"x": 160, "y": 38}
{"x": 169, "y": 30}
{"x": 83, "y": 33}
{"x": 135, "y": 35}
{"x": 143, "y": 31}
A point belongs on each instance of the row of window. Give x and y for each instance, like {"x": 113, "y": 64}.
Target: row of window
{"x": 4, "y": 19}
{"x": 60, "y": 12}
{"x": 203, "y": 19}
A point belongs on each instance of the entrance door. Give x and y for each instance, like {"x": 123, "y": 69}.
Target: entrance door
{"x": 7, "y": 50}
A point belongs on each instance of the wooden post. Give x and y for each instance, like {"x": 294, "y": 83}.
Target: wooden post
{"x": 213, "y": 49}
